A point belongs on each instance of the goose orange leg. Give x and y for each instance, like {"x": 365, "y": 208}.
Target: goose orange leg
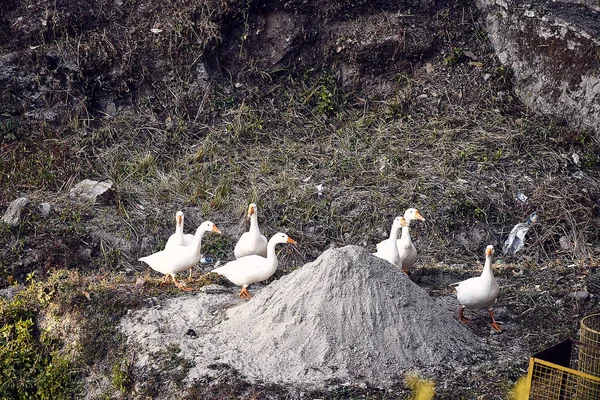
{"x": 164, "y": 280}
{"x": 494, "y": 323}
{"x": 461, "y": 317}
{"x": 189, "y": 279}
{"x": 181, "y": 285}
{"x": 244, "y": 294}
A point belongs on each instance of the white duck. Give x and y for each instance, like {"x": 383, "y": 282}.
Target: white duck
{"x": 179, "y": 238}
{"x": 253, "y": 268}
{"x": 179, "y": 258}
{"x": 251, "y": 242}
{"x": 479, "y": 292}
{"x": 387, "y": 248}
{"x": 406, "y": 248}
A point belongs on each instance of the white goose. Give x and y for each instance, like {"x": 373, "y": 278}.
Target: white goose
{"x": 251, "y": 242}
{"x": 179, "y": 258}
{"x": 406, "y": 248}
{"x": 387, "y": 248}
{"x": 253, "y": 268}
{"x": 479, "y": 292}
{"x": 178, "y": 238}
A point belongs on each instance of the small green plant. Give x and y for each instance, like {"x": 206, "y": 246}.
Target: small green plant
{"x": 454, "y": 57}
{"x": 325, "y": 101}
{"x": 497, "y": 155}
{"x": 500, "y": 72}
{"x": 479, "y": 214}
{"x": 584, "y": 138}
{"x": 121, "y": 376}
{"x": 8, "y": 128}
{"x": 590, "y": 160}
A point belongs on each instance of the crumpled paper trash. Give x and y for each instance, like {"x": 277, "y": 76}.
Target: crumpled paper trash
{"x": 516, "y": 238}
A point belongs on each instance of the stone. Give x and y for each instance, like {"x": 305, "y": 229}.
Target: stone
{"x": 580, "y": 295}
{"x": 45, "y": 209}
{"x": 93, "y": 191}
{"x": 10, "y": 292}
{"x": 552, "y": 49}
{"x": 12, "y": 216}
{"x": 565, "y": 243}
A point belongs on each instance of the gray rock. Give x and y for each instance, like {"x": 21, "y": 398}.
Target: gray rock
{"x": 12, "y": 216}
{"x": 45, "y": 209}
{"x": 551, "y": 48}
{"x": 93, "y": 191}
{"x": 580, "y": 295}
{"x": 214, "y": 289}
{"x": 10, "y": 292}
{"x": 565, "y": 243}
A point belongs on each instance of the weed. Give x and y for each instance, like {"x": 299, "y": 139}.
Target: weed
{"x": 590, "y": 160}
{"x": 31, "y": 363}
{"x": 455, "y": 56}
{"x": 121, "y": 375}
{"x": 8, "y": 129}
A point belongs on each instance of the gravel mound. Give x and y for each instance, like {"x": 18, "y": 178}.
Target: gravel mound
{"x": 346, "y": 316}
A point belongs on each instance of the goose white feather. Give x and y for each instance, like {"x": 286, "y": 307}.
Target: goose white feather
{"x": 179, "y": 238}
{"x": 253, "y": 268}
{"x": 179, "y": 258}
{"x": 251, "y": 242}
{"x": 479, "y": 292}
{"x": 406, "y": 248}
{"x": 387, "y": 248}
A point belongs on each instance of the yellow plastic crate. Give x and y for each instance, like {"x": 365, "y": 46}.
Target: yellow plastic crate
{"x": 569, "y": 370}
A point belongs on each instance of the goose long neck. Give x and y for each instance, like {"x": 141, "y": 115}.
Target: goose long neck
{"x": 487, "y": 268}
{"x": 254, "y": 224}
{"x": 405, "y": 232}
{"x": 179, "y": 229}
{"x": 394, "y": 231}
{"x": 271, "y": 255}
{"x": 197, "y": 242}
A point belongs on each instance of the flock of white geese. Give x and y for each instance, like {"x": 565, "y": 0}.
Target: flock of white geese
{"x": 256, "y": 259}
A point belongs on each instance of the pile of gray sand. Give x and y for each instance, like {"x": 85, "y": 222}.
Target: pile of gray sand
{"x": 346, "y": 317}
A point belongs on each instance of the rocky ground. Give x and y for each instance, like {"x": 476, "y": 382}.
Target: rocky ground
{"x": 333, "y": 117}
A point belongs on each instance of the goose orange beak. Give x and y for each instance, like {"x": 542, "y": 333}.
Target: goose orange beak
{"x": 419, "y": 216}
{"x": 179, "y": 220}
{"x": 250, "y": 212}
{"x": 216, "y": 230}
{"x": 290, "y": 240}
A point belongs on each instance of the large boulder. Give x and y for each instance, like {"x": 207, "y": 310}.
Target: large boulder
{"x": 553, "y": 49}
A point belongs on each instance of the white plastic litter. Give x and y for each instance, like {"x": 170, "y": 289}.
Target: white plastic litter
{"x": 522, "y": 198}
{"x": 320, "y": 189}
{"x": 516, "y": 238}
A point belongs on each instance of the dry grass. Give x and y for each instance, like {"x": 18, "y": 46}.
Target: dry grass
{"x": 450, "y": 139}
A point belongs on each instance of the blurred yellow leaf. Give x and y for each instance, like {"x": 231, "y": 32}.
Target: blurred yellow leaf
{"x": 519, "y": 392}
{"x": 423, "y": 389}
